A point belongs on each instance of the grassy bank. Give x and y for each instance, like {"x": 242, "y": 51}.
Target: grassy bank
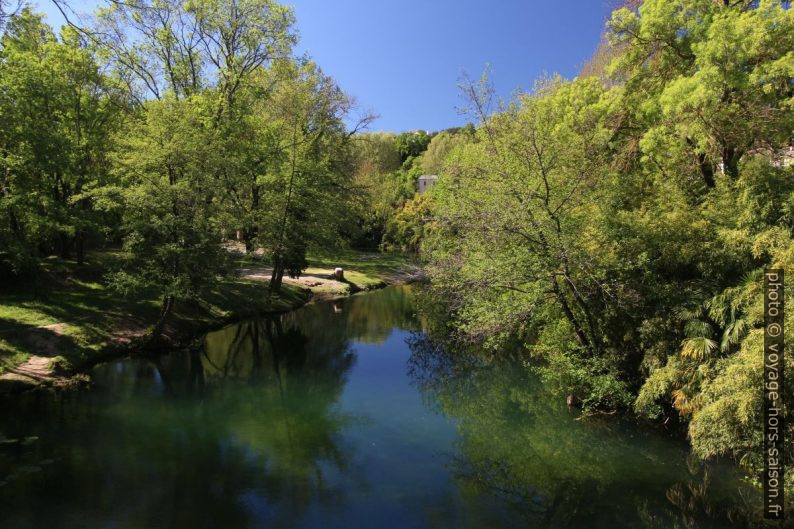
{"x": 362, "y": 271}
{"x": 67, "y": 318}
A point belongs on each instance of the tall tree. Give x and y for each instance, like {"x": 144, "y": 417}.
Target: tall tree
{"x": 619, "y": 227}
{"x": 160, "y": 46}
{"x": 303, "y": 195}
{"x": 51, "y": 170}
{"x": 186, "y": 64}
{"x": 166, "y": 161}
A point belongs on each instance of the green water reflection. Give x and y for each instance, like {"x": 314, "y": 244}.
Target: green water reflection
{"x": 340, "y": 415}
{"x": 522, "y": 444}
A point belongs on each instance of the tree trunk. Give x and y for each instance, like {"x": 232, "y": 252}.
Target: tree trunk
{"x": 64, "y": 246}
{"x": 79, "y": 243}
{"x": 569, "y": 315}
{"x": 595, "y": 341}
{"x": 248, "y": 238}
{"x": 706, "y": 170}
{"x": 704, "y": 165}
{"x": 279, "y": 280}
{"x": 730, "y": 160}
{"x": 16, "y": 227}
{"x": 276, "y": 276}
{"x": 168, "y": 304}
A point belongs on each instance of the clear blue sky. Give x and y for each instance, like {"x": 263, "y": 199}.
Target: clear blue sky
{"x": 402, "y": 60}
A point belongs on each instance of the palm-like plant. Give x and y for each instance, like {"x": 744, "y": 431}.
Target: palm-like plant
{"x": 713, "y": 329}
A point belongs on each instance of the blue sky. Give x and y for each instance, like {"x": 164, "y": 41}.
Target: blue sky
{"x": 402, "y": 60}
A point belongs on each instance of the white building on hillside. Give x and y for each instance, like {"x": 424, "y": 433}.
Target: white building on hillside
{"x": 426, "y": 181}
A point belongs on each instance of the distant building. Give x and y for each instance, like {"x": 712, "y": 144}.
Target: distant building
{"x": 782, "y": 157}
{"x": 786, "y": 156}
{"x": 426, "y": 181}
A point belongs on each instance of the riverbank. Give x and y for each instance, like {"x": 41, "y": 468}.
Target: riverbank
{"x": 67, "y": 320}
{"x": 322, "y": 402}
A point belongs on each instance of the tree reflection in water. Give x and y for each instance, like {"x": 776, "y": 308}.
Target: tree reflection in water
{"x": 308, "y": 420}
{"x": 520, "y": 444}
{"x": 241, "y": 430}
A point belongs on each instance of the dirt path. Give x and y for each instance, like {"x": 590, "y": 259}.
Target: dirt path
{"x": 37, "y": 367}
{"x": 47, "y": 341}
{"x": 316, "y": 279}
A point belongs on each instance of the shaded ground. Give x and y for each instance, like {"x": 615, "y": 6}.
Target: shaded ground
{"x": 320, "y": 281}
{"x": 362, "y": 271}
{"x": 68, "y": 319}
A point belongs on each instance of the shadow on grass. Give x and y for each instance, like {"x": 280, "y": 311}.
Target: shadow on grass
{"x": 71, "y": 312}
{"x": 87, "y": 312}
{"x": 370, "y": 263}
{"x": 48, "y": 341}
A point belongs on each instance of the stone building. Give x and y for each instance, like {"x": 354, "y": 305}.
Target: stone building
{"x": 426, "y": 181}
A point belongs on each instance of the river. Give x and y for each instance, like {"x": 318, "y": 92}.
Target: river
{"x": 342, "y": 415}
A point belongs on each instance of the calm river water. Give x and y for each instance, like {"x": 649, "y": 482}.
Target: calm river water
{"x": 341, "y": 416}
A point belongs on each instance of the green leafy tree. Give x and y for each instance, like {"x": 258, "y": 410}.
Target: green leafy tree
{"x": 51, "y": 172}
{"x": 618, "y": 224}
{"x": 172, "y": 210}
{"x": 406, "y": 229}
{"x": 187, "y": 65}
{"x": 375, "y": 159}
{"x": 517, "y": 206}
{"x": 294, "y": 183}
{"x": 412, "y": 144}
{"x": 439, "y": 148}
{"x": 159, "y": 47}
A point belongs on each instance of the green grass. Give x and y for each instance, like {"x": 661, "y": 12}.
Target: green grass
{"x": 368, "y": 266}
{"x": 363, "y": 281}
{"x": 86, "y": 318}
{"x": 68, "y": 310}
{"x": 371, "y": 265}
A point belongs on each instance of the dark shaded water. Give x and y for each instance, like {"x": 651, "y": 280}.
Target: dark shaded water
{"x": 340, "y": 415}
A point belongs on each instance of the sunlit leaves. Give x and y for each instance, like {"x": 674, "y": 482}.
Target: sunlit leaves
{"x": 57, "y": 111}
{"x": 698, "y": 348}
{"x": 671, "y": 191}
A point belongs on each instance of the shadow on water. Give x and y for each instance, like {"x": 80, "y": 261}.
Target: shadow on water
{"x": 341, "y": 415}
{"x": 521, "y": 444}
{"x": 201, "y": 435}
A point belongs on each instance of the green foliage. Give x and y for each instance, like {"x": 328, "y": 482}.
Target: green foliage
{"x": 619, "y": 225}
{"x": 167, "y": 164}
{"x": 51, "y": 172}
{"x": 412, "y": 144}
{"x": 388, "y": 178}
{"x": 594, "y": 382}
{"x": 293, "y": 164}
{"x": 405, "y": 230}
{"x": 161, "y": 46}
{"x": 387, "y": 170}
{"x": 376, "y": 153}
{"x": 513, "y": 217}
{"x": 166, "y": 135}
{"x": 439, "y": 148}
